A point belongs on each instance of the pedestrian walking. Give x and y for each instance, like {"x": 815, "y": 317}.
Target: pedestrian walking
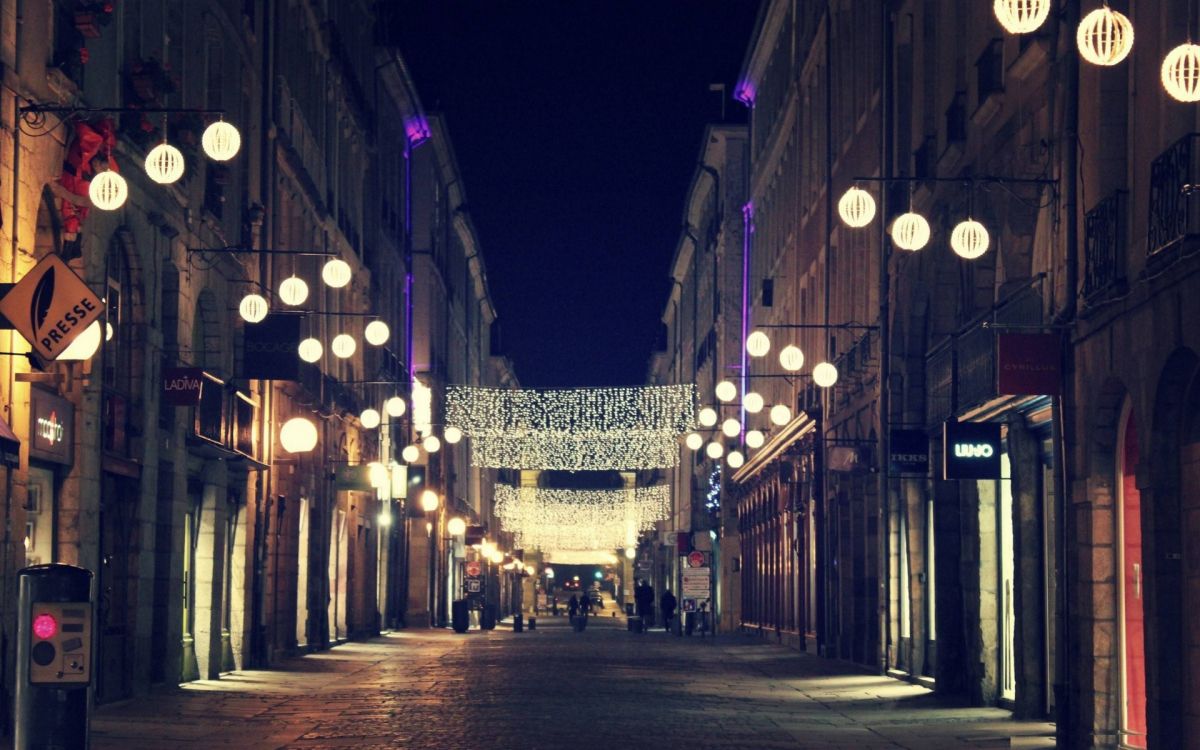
{"x": 667, "y": 603}
{"x": 573, "y": 606}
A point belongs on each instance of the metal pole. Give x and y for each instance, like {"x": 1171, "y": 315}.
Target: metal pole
{"x": 885, "y": 349}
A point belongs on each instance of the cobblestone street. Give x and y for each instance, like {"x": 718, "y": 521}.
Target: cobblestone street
{"x": 553, "y": 688}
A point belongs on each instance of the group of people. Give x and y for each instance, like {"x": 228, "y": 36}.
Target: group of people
{"x": 643, "y": 599}
{"x": 579, "y": 605}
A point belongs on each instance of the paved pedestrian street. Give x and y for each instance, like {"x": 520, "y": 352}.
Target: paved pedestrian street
{"x": 554, "y": 688}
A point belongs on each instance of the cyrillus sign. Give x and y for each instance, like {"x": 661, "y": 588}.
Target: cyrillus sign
{"x": 971, "y": 450}
{"x": 51, "y": 306}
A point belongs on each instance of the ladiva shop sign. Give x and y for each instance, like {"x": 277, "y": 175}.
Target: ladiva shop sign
{"x": 50, "y": 307}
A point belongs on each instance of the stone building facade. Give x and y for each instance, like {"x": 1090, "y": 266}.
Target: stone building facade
{"x": 214, "y": 548}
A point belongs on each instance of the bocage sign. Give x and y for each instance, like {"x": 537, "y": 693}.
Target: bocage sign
{"x": 270, "y": 348}
{"x": 971, "y": 450}
{"x": 51, "y": 306}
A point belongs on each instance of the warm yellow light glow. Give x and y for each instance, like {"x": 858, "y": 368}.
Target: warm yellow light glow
{"x": 456, "y": 526}
{"x": 298, "y": 435}
{"x": 497, "y": 557}
{"x": 164, "y": 164}
{"x": 1105, "y": 37}
{"x": 431, "y": 444}
{"x": 708, "y": 416}
{"x": 780, "y": 415}
{"x": 293, "y": 291}
{"x": 630, "y": 553}
{"x": 755, "y": 439}
{"x": 910, "y": 231}
{"x": 714, "y": 450}
{"x": 791, "y": 358}
{"x": 731, "y": 427}
{"x": 84, "y": 345}
{"x": 343, "y": 346}
{"x": 384, "y": 518}
{"x": 429, "y": 501}
{"x": 1021, "y": 16}
{"x": 395, "y": 406}
{"x": 856, "y": 207}
{"x": 410, "y": 454}
{"x": 379, "y": 476}
{"x": 377, "y": 333}
{"x": 369, "y": 418}
{"x": 726, "y": 391}
{"x": 452, "y": 435}
{"x": 735, "y": 460}
{"x": 253, "y": 308}
{"x": 336, "y": 273}
{"x": 753, "y": 402}
{"x": 757, "y": 344}
{"x": 825, "y": 375}
{"x": 694, "y": 441}
{"x": 969, "y": 239}
{"x": 221, "y": 141}
{"x": 1181, "y": 73}
{"x": 311, "y": 350}
{"x": 108, "y": 191}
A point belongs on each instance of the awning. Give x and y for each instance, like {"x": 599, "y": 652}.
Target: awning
{"x": 779, "y": 442}
{"x": 10, "y": 446}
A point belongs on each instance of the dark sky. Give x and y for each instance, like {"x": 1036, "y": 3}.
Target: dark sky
{"x": 577, "y": 125}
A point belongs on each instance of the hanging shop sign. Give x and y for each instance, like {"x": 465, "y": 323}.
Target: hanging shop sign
{"x": 1029, "y": 364}
{"x": 474, "y": 535}
{"x": 353, "y": 479}
{"x": 51, "y": 427}
{"x": 51, "y": 306}
{"x": 908, "y": 453}
{"x": 270, "y": 348}
{"x": 182, "y": 386}
{"x": 971, "y": 450}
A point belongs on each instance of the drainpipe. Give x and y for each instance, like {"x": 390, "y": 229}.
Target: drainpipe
{"x": 825, "y": 566}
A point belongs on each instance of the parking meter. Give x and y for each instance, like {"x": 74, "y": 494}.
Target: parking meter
{"x": 54, "y": 657}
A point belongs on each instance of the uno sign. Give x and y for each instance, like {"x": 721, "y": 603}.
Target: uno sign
{"x": 51, "y": 306}
{"x": 971, "y": 450}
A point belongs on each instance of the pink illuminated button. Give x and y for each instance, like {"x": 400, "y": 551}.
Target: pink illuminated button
{"x": 45, "y": 626}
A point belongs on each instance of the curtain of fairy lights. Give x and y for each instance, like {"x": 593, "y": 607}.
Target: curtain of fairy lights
{"x": 577, "y": 452}
{"x": 498, "y": 412}
{"x": 561, "y": 519}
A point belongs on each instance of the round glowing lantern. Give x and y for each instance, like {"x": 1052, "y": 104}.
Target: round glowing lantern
{"x": 735, "y": 460}
{"x": 456, "y": 526}
{"x": 108, "y": 191}
{"x": 410, "y": 453}
{"x": 431, "y": 444}
{"x": 221, "y": 141}
{"x": 791, "y": 358}
{"x": 84, "y": 345}
{"x": 1021, "y": 16}
{"x": 825, "y": 375}
{"x": 969, "y": 239}
{"x": 758, "y": 344}
{"x": 910, "y": 231}
{"x": 293, "y": 291}
{"x": 343, "y": 346}
{"x": 1181, "y": 73}
{"x": 452, "y": 435}
{"x": 298, "y": 435}
{"x": 376, "y": 333}
{"x": 311, "y": 350}
{"x": 708, "y": 416}
{"x": 780, "y": 415}
{"x": 369, "y": 418}
{"x": 755, "y": 439}
{"x": 726, "y": 391}
{"x": 694, "y": 441}
{"x": 164, "y": 164}
{"x": 856, "y": 208}
{"x": 395, "y": 406}
{"x": 731, "y": 427}
{"x": 714, "y": 450}
{"x": 753, "y": 402}
{"x": 253, "y": 308}
{"x": 336, "y": 273}
{"x": 1105, "y": 37}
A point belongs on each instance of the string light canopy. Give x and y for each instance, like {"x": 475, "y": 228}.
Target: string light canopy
{"x": 1181, "y": 73}
{"x": 1021, "y": 16}
{"x": 1105, "y": 37}
{"x": 856, "y": 207}
{"x": 253, "y": 308}
{"x": 597, "y": 451}
{"x": 293, "y": 291}
{"x": 561, "y": 520}
{"x": 108, "y": 191}
{"x": 498, "y": 412}
{"x": 758, "y": 344}
{"x": 969, "y": 239}
{"x": 910, "y": 231}
{"x": 791, "y": 358}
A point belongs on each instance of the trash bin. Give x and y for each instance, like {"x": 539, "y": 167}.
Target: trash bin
{"x": 518, "y": 623}
{"x": 487, "y": 620}
{"x": 460, "y": 616}
{"x": 533, "y": 623}
{"x": 636, "y": 624}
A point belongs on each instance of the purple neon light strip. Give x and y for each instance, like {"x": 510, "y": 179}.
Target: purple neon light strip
{"x": 747, "y": 230}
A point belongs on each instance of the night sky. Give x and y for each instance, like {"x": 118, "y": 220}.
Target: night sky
{"x": 577, "y": 125}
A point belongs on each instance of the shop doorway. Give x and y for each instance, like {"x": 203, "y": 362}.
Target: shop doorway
{"x": 1133, "y": 639}
{"x": 118, "y": 579}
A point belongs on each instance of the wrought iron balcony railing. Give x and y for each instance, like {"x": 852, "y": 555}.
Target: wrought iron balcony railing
{"x": 1104, "y": 248}
{"x": 1175, "y": 197}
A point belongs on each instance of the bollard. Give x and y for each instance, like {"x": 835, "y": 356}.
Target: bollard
{"x": 533, "y": 623}
{"x": 460, "y": 615}
{"x": 518, "y": 623}
{"x": 54, "y": 657}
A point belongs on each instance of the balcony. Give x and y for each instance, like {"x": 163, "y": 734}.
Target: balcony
{"x": 1174, "y": 219}
{"x": 1104, "y": 249}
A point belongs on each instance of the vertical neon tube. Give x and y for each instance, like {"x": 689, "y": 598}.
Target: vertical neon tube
{"x": 747, "y": 230}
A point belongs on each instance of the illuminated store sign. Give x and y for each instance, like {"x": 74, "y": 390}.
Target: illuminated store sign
{"x": 971, "y": 450}
{"x": 51, "y": 427}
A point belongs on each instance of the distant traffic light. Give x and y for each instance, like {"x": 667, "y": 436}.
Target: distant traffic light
{"x": 599, "y": 575}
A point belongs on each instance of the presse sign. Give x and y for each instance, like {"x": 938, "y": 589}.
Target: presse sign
{"x": 51, "y": 306}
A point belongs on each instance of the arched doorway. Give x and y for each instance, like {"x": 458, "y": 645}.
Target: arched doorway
{"x": 1131, "y": 583}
